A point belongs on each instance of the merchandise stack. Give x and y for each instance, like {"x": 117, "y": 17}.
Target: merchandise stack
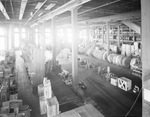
{"x": 48, "y": 102}
{"x": 10, "y": 105}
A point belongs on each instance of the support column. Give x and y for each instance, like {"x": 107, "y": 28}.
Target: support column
{"x": 146, "y": 56}
{"x": 75, "y": 39}
{"x": 87, "y": 34}
{"x": 102, "y": 33}
{"x": 53, "y": 30}
{"x": 107, "y": 37}
{"x": 12, "y": 36}
{"x": 118, "y": 35}
{"x": 20, "y": 35}
{"x": 43, "y": 36}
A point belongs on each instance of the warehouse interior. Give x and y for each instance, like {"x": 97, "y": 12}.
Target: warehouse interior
{"x": 74, "y": 58}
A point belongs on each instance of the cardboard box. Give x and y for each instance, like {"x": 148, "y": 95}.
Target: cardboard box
{"x": 125, "y": 83}
{"x": 47, "y": 92}
{"x": 52, "y": 107}
{"x": 114, "y": 81}
{"x": 40, "y": 90}
{"x": 43, "y": 105}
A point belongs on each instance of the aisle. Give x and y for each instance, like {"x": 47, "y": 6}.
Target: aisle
{"x": 112, "y": 100}
{"x": 25, "y": 89}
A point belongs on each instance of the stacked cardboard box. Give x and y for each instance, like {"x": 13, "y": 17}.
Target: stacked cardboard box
{"x": 48, "y": 102}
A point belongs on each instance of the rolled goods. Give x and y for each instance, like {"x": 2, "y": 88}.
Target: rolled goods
{"x": 126, "y": 61}
{"x": 114, "y": 59}
{"x": 119, "y": 59}
{"x": 105, "y": 56}
{"x": 110, "y": 57}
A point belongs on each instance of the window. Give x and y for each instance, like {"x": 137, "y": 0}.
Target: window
{"x": 23, "y": 33}
{"x": 16, "y": 38}
{"x": 69, "y": 35}
{"x": 2, "y": 39}
{"x": 48, "y": 39}
{"x": 36, "y": 37}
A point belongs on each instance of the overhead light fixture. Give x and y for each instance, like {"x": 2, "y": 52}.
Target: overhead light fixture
{"x": 2, "y": 8}
{"x": 22, "y": 8}
{"x": 40, "y": 14}
{"x": 39, "y": 4}
{"x": 50, "y": 6}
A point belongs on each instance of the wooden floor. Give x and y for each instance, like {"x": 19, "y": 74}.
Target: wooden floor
{"x": 112, "y": 100}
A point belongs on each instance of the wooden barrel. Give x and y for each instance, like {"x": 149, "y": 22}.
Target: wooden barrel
{"x": 119, "y": 59}
{"x": 110, "y": 57}
{"x": 105, "y": 56}
{"x": 128, "y": 50}
{"x": 126, "y": 61}
{"x": 133, "y": 61}
{"x": 114, "y": 59}
{"x": 25, "y": 109}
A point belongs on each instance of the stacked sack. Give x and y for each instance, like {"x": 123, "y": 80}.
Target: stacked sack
{"x": 48, "y": 102}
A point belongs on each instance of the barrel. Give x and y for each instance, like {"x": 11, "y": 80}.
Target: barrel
{"x": 128, "y": 50}
{"x": 110, "y": 57}
{"x": 25, "y": 109}
{"x": 114, "y": 59}
{"x": 119, "y": 59}
{"x": 105, "y": 56}
{"x": 126, "y": 61}
{"x": 101, "y": 55}
{"x": 133, "y": 61}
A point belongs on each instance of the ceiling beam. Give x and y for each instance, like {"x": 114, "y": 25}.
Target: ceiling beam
{"x": 35, "y": 12}
{"x": 121, "y": 16}
{"x": 133, "y": 26}
{"x": 2, "y": 8}
{"x": 22, "y": 8}
{"x": 68, "y": 6}
{"x": 12, "y": 7}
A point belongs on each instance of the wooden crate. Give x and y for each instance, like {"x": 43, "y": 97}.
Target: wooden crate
{"x": 43, "y": 105}
{"x": 40, "y": 90}
{"x": 52, "y": 107}
{"x": 125, "y": 83}
{"x": 114, "y": 81}
{"x": 47, "y": 92}
{"x": 13, "y": 96}
{"x": 8, "y": 103}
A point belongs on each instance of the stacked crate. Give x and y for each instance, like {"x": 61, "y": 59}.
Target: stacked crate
{"x": 124, "y": 83}
{"x": 48, "y": 102}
